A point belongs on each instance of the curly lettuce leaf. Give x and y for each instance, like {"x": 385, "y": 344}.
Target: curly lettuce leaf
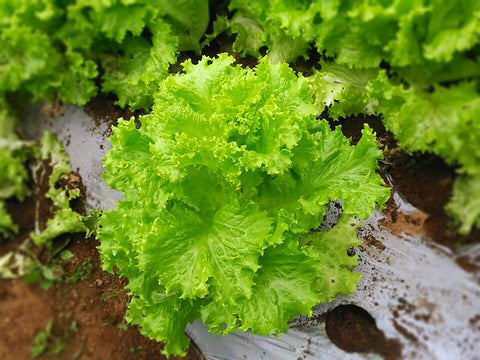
{"x": 220, "y": 183}
{"x": 7, "y": 227}
{"x": 54, "y": 48}
{"x": 64, "y": 219}
{"x": 464, "y": 205}
{"x": 443, "y": 121}
{"x": 134, "y": 77}
{"x": 412, "y": 36}
{"x": 13, "y": 178}
{"x": 222, "y": 250}
{"x": 342, "y": 90}
{"x": 337, "y": 266}
{"x": 189, "y": 19}
{"x": 285, "y": 286}
{"x": 13, "y": 175}
{"x": 161, "y": 316}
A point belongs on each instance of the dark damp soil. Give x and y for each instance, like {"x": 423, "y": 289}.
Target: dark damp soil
{"x": 103, "y": 110}
{"x": 424, "y": 180}
{"x": 33, "y": 212}
{"x": 353, "y": 329}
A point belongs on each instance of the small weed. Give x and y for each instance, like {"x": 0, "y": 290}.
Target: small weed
{"x": 59, "y": 346}
{"x": 40, "y": 343}
{"x": 83, "y": 272}
{"x": 135, "y": 349}
{"x": 45, "y": 337}
{"x": 45, "y": 275}
{"x": 123, "y": 325}
{"x": 74, "y": 326}
{"x": 104, "y": 296}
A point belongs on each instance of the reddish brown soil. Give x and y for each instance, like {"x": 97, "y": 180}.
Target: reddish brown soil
{"x": 97, "y": 305}
{"x": 426, "y": 182}
{"x": 353, "y": 329}
{"x": 423, "y": 179}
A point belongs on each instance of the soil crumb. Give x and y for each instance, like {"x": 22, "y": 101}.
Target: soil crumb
{"x": 353, "y": 329}
{"x": 55, "y": 108}
{"x": 399, "y": 223}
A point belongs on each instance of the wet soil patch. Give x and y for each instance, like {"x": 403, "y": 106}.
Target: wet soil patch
{"x": 426, "y": 182}
{"x": 353, "y": 329}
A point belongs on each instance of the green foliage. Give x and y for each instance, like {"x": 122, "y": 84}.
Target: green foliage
{"x": 13, "y": 176}
{"x": 45, "y": 340}
{"x": 64, "y": 220}
{"x": 44, "y": 275}
{"x": 54, "y": 47}
{"x": 221, "y": 183}
{"x": 358, "y": 33}
{"x": 47, "y": 159}
{"x": 42, "y": 338}
{"x": 83, "y": 272}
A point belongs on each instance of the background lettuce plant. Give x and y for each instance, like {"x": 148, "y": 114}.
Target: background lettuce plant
{"x": 54, "y": 48}
{"x": 224, "y": 185}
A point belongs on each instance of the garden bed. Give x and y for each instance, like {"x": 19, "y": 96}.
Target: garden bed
{"x": 96, "y": 303}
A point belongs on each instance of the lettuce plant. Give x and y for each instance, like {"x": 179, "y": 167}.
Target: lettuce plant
{"x": 14, "y": 175}
{"x": 225, "y": 184}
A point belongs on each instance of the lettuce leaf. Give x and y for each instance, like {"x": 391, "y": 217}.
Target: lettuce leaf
{"x": 430, "y": 50}
{"x": 221, "y": 182}
{"x": 134, "y": 76}
{"x": 464, "y": 205}
{"x": 64, "y": 220}
{"x": 13, "y": 176}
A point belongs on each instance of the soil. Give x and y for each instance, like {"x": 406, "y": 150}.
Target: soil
{"x": 353, "y": 329}
{"x": 103, "y": 110}
{"x": 96, "y": 305}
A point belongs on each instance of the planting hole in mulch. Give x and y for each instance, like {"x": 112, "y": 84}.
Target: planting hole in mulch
{"x": 353, "y": 329}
